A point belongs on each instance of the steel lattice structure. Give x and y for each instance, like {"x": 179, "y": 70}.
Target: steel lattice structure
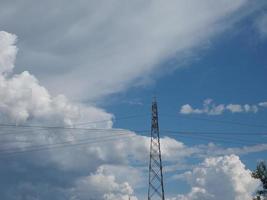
{"x": 156, "y": 187}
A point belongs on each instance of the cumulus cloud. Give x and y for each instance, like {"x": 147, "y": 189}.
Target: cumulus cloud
{"x": 236, "y": 108}
{"x": 106, "y": 47}
{"x": 210, "y": 108}
{"x": 101, "y": 186}
{"x": 220, "y": 178}
{"x": 23, "y": 98}
{"x": 187, "y": 109}
{"x": 195, "y": 194}
{"x": 8, "y": 52}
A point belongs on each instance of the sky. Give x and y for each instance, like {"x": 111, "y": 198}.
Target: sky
{"x": 76, "y": 84}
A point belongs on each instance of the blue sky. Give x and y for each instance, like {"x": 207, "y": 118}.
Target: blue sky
{"x": 67, "y": 64}
{"x": 232, "y": 69}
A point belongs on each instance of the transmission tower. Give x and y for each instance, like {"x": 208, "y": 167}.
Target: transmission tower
{"x": 156, "y": 187}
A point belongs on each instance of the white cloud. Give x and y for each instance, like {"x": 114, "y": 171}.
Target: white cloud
{"x": 220, "y": 178}
{"x": 195, "y": 194}
{"x": 23, "y": 98}
{"x": 263, "y": 104}
{"x": 8, "y": 52}
{"x": 237, "y": 108}
{"x": 234, "y": 108}
{"x": 103, "y": 48}
{"x": 125, "y": 173}
{"x": 101, "y": 186}
{"x": 211, "y": 108}
{"x": 216, "y": 150}
{"x": 261, "y": 25}
{"x": 251, "y": 108}
{"x": 208, "y": 108}
{"x": 187, "y": 109}
{"x": 171, "y": 147}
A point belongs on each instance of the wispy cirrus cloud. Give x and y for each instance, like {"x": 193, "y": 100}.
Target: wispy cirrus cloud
{"x": 261, "y": 25}
{"x": 106, "y": 47}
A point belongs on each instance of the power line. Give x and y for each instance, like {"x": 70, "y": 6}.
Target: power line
{"x": 51, "y": 127}
{"x": 113, "y": 119}
{"x": 106, "y": 131}
{"x": 187, "y": 133}
{"x": 223, "y": 140}
{"x": 92, "y": 140}
{"x": 66, "y": 142}
{"x": 10, "y": 152}
{"x": 190, "y": 134}
{"x": 87, "y": 132}
{"x": 225, "y": 133}
{"x": 217, "y": 121}
{"x": 73, "y": 125}
{"x": 44, "y": 128}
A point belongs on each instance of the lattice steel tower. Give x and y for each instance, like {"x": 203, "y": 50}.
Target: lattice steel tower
{"x": 156, "y": 187}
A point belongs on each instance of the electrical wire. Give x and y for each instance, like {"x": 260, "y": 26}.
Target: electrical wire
{"x": 113, "y": 119}
{"x": 225, "y": 133}
{"x": 92, "y": 140}
{"x": 223, "y": 140}
{"x": 48, "y": 128}
{"x": 10, "y": 152}
{"x": 215, "y": 120}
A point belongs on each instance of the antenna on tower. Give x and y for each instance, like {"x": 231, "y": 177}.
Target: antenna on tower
{"x": 156, "y": 187}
